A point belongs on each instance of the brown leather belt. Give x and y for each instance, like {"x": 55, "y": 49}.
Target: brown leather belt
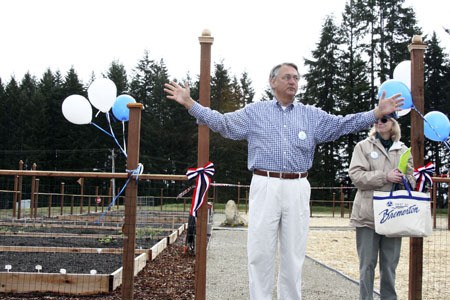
{"x": 280, "y": 175}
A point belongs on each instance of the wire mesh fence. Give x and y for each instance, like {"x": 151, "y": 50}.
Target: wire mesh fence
{"x": 66, "y": 237}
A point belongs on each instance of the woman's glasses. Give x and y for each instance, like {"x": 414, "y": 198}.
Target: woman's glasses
{"x": 383, "y": 120}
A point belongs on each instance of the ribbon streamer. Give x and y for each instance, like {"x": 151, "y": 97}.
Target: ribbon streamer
{"x": 424, "y": 175}
{"x": 203, "y": 175}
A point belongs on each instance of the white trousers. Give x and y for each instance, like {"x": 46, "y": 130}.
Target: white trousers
{"x": 278, "y": 212}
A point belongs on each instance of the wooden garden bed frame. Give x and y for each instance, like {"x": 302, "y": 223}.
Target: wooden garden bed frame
{"x": 77, "y": 284}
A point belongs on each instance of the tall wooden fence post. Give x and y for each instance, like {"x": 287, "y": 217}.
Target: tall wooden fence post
{"x": 129, "y": 227}
{"x": 206, "y": 41}
{"x": 417, "y": 49}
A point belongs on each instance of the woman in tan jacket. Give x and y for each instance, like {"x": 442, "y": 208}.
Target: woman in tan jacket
{"x": 374, "y": 166}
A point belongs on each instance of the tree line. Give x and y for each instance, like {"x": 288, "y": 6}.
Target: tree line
{"x": 350, "y": 60}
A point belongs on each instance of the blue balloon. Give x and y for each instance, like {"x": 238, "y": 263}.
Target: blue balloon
{"x": 120, "y": 109}
{"x": 437, "y": 126}
{"x": 392, "y": 87}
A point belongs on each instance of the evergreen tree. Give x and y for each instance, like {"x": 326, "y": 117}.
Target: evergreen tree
{"x": 118, "y": 75}
{"x": 437, "y": 95}
{"x": 4, "y": 126}
{"x": 77, "y": 152}
{"x": 397, "y": 25}
{"x": 354, "y": 92}
{"x": 141, "y": 88}
{"x": 386, "y": 28}
{"x": 55, "y": 128}
{"x": 33, "y": 118}
{"x": 13, "y": 117}
{"x": 161, "y": 119}
{"x": 321, "y": 90}
{"x": 221, "y": 91}
{"x": 248, "y": 92}
{"x": 230, "y": 157}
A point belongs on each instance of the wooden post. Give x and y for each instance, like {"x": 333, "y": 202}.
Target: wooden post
{"x": 238, "y": 194}
{"x": 417, "y": 50}
{"x": 81, "y": 182}
{"x": 448, "y": 207}
{"x": 334, "y": 202}
{"x": 110, "y": 194}
{"x": 161, "y": 201}
{"x": 89, "y": 204}
{"x": 96, "y": 196}
{"x": 49, "y": 206}
{"x": 433, "y": 193}
{"x": 33, "y": 188}
{"x": 246, "y": 201}
{"x": 62, "y": 198}
{"x": 36, "y": 198}
{"x": 19, "y": 191}
{"x": 214, "y": 194}
{"x": 14, "y": 203}
{"x": 129, "y": 227}
{"x": 206, "y": 41}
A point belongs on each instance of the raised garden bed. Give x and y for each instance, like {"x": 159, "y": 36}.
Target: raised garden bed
{"x": 78, "y": 255}
{"x": 169, "y": 276}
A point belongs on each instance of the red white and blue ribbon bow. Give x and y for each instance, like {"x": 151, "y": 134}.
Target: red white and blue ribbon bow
{"x": 203, "y": 175}
{"x": 423, "y": 175}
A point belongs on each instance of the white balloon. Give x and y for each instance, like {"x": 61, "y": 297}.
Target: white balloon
{"x": 77, "y": 109}
{"x": 403, "y": 112}
{"x": 102, "y": 93}
{"x": 402, "y": 72}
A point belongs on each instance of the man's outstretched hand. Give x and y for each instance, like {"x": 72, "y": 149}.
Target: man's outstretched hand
{"x": 387, "y": 106}
{"x": 179, "y": 94}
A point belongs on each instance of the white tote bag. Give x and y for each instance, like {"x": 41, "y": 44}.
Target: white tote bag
{"x": 402, "y": 213}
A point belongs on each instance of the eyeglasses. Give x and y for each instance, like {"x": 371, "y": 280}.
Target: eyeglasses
{"x": 288, "y": 77}
{"x": 383, "y": 120}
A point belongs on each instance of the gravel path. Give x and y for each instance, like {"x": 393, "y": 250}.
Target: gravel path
{"x": 227, "y": 277}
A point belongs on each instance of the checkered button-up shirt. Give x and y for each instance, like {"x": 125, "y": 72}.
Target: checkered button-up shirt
{"x": 281, "y": 140}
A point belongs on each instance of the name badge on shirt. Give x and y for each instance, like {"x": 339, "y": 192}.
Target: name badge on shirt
{"x": 302, "y": 135}
{"x": 374, "y": 155}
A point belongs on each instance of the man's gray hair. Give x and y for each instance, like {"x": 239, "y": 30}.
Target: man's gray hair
{"x": 274, "y": 71}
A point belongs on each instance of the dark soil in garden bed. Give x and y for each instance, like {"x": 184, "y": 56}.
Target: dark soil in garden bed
{"x": 74, "y": 263}
{"x": 50, "y": 241}
{"x": 169, "y": 277}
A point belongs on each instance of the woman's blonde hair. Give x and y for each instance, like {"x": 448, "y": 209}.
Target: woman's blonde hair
{"x": 396, "y": 132}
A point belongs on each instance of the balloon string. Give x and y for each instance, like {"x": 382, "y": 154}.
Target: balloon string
{"x": 429, "y": 124}
{"x": 114, "y": 201}
{"x": 113, "y": 136}
{"x": 123, "y": 134}
{"x": 136, "y": 172}
{"x": 92, "y": 123}
{"x": 446, "y": 143}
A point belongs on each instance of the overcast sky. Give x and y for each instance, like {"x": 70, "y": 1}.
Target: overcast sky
{"x": 249, "y": 36}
